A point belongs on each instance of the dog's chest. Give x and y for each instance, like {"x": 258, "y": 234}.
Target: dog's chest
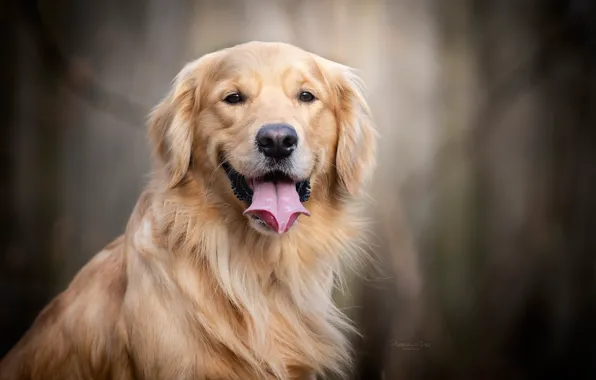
{"x": 284, "y": 340}
{"x": 284, "y": 344}
{"x": 214, "y": 341}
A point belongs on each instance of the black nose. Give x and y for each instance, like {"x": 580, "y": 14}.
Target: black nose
{"x": 277, "y": 141}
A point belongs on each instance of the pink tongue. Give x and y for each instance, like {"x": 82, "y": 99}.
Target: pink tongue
{"x": 277, "y": 204}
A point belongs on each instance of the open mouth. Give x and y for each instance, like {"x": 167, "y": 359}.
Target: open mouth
{"x": 274, "y": 200}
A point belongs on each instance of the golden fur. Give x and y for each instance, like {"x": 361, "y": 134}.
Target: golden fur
{"x": 192, "y": 290}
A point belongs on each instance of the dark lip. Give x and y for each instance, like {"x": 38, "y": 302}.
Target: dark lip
{"x": 244, "y": 193}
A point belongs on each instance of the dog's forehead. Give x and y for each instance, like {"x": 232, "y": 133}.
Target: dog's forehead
{"x": 271, "y": 61}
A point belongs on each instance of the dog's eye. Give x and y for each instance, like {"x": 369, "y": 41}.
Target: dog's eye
{"x": 234, "y": 98}
{"x": 306, "y": 97}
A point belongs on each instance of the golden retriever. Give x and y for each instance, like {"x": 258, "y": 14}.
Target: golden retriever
{"x": 227, "y": 264}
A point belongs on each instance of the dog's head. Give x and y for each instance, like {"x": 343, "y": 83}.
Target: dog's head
{"x": 266, "y": 126}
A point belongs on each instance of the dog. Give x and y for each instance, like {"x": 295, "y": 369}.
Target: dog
{"x": 227, "y": 264}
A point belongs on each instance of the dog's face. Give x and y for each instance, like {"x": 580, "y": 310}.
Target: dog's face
{"x": 266, "y": 126}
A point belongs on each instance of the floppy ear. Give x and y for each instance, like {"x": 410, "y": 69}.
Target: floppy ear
{"x": 355, "y": 157}
{"x": 171, "y": 123}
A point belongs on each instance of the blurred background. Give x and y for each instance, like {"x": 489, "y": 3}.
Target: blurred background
{"x": 484, "y": 201}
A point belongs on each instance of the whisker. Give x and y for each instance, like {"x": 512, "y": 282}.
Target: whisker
{"x": 219, "y": 166}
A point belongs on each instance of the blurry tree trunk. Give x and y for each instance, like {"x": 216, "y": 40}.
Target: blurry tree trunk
{"x": 8, "y": 64}
{"x": 449, "y": 248}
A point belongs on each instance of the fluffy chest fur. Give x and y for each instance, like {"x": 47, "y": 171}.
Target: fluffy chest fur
{"x": 228, "y": 303}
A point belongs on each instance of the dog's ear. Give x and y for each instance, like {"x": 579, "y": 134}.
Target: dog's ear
{"x": 355, "y": 157}
{"x": 171, "y": 123}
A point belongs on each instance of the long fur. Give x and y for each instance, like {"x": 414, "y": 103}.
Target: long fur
{"x": 191, "y": 291}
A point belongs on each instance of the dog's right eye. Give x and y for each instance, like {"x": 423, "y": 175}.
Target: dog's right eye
{"x": 234, "y": 98}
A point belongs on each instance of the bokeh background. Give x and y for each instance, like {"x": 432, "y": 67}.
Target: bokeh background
{"x": 483, "y": 204}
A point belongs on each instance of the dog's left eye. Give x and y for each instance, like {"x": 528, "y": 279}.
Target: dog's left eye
{"x": 306, "y": 97}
